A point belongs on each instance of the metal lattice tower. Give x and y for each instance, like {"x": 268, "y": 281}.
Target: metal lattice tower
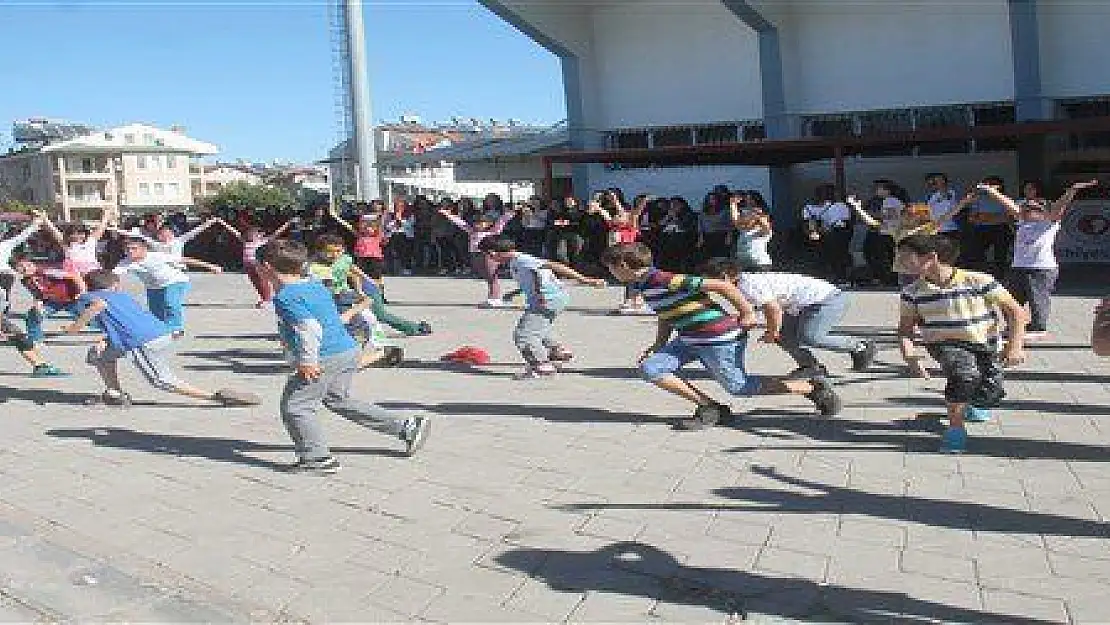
{"x": 357, "y": 170}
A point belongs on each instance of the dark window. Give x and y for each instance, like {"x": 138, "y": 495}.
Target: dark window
{"x": 997, "y": 115}
{"x": 673, "y": 137}
{"x": 943, "y": 117}
{"x": 1083, "y": 109}
{"x": 755, "y": 132}
{"x": 717, "y": 134}
{"x": 830, "y": 127}
{"x": 631, "y": 140}
{"x": 883, "y": 123}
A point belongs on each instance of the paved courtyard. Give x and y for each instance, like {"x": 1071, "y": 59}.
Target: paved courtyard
{"x": 552, "y": 500}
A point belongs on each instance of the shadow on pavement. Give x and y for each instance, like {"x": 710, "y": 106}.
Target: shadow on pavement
{"x": 563, "y": 414}
{"x": 47, "y": 397}
{"x": 639, "y": 570}
{"x": 839, "y": 500}
{"x": 231, "y": 450}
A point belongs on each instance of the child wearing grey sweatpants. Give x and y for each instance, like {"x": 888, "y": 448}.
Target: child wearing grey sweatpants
{"x": 326, "y": 358}
{"x": 544, "y": 298}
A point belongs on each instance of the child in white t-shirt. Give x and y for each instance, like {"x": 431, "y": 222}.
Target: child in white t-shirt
{"x": 1034, "y": 269}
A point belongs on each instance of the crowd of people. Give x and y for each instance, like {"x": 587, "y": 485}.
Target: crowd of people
{"x": 967, "y": 264}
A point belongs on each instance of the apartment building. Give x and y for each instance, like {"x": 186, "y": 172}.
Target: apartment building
{"x": 135, "y": 169}
{"x": 208, "y": 179}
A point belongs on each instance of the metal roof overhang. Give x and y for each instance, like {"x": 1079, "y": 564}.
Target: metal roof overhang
{"x": 766, "y": 153}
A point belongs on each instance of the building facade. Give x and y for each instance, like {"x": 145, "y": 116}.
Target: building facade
{"x": 700, "y": 72}
{"x": 133, "y": 169}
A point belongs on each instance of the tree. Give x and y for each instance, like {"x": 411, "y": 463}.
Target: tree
{"x": 240, "y": 195}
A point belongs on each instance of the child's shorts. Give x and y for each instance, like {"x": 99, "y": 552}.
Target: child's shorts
{"x": 724, "y": 361}
{"x": 973, "y": 372}
{"x": 151, "y": 358}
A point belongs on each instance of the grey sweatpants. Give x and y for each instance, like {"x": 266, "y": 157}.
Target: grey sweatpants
{"x": 301, "y": 399}
{"x": 532, "y": 336}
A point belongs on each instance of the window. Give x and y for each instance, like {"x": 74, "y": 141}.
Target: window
{"x": 885, "y": 122}
{"x": 144, "y": 189}
{"x": 129, "y": 139}
{"x": 944, "y": 117}
{"x": 159, "y": 189}
{"x": 997, "y": 115}
{"x": 829, "y": 127}
{"x": 755, "y": 132}
{"x": 148, "y": 139}
{"x": 673, "y": 137}
{"x": 173, "y": 189}
{"x": 171, "y": 161}
{"x": 629, "y": 140}
{"x": 156, "y": 162}
{"x": 716, "y": 134}
{"x": 141, "y": 162}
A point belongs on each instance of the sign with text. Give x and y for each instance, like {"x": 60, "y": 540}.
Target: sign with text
{"x": 1085, "y": 233}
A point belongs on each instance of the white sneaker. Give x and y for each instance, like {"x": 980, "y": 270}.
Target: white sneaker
{"x": 495, "y": 303}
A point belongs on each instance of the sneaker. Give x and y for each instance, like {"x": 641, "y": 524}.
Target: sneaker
{"x": 863, "y": 357}
{"x": 110, "y": 398}
{"x": 1038, "y": 335}
{"x": 178, "y": 334}
{"x": 394, "y": 356}
{"x": 704, "y": 417}
{"x": 824, "y": 397}
{"x": 494, "y": 303}
{"x": 320, "y": 466}
{"x": 415, "y": 434}
{"x": 808, "y": 373}
{"x": 47, "y": 371}
{"x": 232, "y": 398}
{"x": 560, "y": 354}
{"x": 974, "y": 414}
{"x": 538, "y": 371}
{"x": 954, "y": 441}
{"x": 423, "y": 328}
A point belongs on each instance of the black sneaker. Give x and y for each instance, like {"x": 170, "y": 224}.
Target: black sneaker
{"x": 824, "y": 398}
{"x": 320, "y": 466}
{"x": 122, "y": 400}
{"x": 808, "y": 373}
{"x": 863, "y": 357}
{"x": 704, "y": 417}
{"x": 415, "y": 434}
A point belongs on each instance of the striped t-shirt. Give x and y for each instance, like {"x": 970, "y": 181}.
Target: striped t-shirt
{"x": 679, "y": 302}
{"x": 964, "y": 309}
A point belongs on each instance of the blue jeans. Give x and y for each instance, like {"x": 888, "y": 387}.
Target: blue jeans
{"x": 812, "y": 327}
{"x": 724, "y": 361}
{"x": 34, "y": 317}
{"x": 168, "y": 304}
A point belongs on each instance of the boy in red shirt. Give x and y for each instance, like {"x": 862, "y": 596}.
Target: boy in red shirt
{"x": 53, "y": 290}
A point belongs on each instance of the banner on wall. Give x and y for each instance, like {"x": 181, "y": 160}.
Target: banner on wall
{"x": 1085, "y": 233}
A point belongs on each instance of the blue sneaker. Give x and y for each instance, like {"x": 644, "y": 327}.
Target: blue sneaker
{"x": 47, "y": 371}
{"x": 973, "y": 414}
{"x": 954, "y": 441}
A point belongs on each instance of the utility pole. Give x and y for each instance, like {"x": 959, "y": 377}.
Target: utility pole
{"x": 359, "y": 87}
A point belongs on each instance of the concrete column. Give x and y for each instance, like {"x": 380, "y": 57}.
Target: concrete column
{"x": 1029, "y": 101}
{"x": 360, "y": 103}
{"x": 63, "y": 186}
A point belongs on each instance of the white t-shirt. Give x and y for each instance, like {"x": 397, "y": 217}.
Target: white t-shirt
{"x": 941, "y": 202}
{"x": 830, "y": 214}
{"x": 1033, "y": 244}
{"x": 751, "y": 247}
{"x": 156, "y": 271}
{"x": 542, "y": 290}
{"x": 792, "y": 291}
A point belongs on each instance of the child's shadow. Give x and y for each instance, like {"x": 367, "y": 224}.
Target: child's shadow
{"x": 47, "y": 397}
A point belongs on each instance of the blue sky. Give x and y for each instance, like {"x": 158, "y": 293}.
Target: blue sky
{"x": 256, "y": 77}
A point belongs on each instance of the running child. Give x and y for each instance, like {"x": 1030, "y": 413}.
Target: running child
{"x": 623, "y": 228}
{"x": 482, "y": 264}
{"x": 369, "y": 247}
{"x": 53, "y": 291}
{"x": 1034, "y": 269}
{"x": 7, "y": 273}
{"x": 705, "y": 332}
{"x": 166, "y": 241}
{"x": 131, "y": 331}
{"x": 957, "y": 312}
{"x": 253, "y": 239}
{"x": 166, "y": 284}
{"x": 325, "y": 358}
{"x": 545, "y": 297}
{"x": 801, "y": 312}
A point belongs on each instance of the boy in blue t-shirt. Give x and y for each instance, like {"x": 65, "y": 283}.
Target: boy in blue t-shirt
{"x": 131, "y": 330}
{"x": 544, "y": 298}
{"x": 325, "y": 357}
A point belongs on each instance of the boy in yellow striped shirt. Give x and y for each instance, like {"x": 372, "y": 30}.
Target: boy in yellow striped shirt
{"x": 958, "y": 314}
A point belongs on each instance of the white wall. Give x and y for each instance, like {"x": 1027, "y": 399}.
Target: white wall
{"x": 841, "y": 56}
{"x": 691, "y": 183}
{"x": 677, "y": 63}
{"x": 1074, "y": 47}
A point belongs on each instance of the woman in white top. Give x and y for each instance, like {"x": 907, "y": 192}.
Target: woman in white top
{"x": 828, "y": 229}
{"x": 78, "y": 243}
{"x": 1034, "y": 270}
{"x": 753, "y": 231}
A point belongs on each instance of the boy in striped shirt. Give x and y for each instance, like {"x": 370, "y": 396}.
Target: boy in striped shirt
{"x": 958, "y": 313}
{"x": 705, "y": 332}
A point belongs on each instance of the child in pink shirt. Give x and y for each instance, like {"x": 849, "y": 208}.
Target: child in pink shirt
{"x": 483, "y": 264}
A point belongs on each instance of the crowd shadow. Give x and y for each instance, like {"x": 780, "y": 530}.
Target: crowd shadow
{"x": 1030, "y": 405}
{"x": 233, "y": 360}
{"x": 828, "y": 499}
{"x": 639, "y": 570}
{"x": 1057, "y": 376}
{"x": 865, "y": 436}
{"x": 561, "y": 414}
{"x": 216, "y": 449}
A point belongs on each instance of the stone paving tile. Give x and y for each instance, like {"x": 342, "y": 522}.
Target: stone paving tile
{"x": 571, "y": 498}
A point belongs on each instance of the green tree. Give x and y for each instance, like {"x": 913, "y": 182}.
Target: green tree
{"x": 240, "y": 195}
